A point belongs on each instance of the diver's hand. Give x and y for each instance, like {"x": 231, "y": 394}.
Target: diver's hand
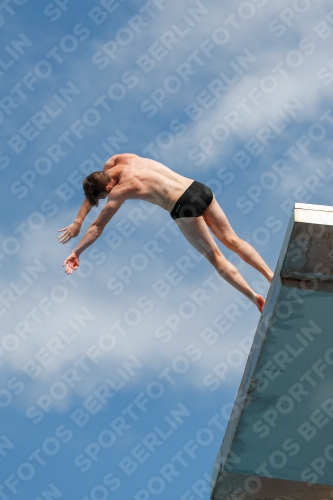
{"x": 71, "y": 263}
{"x": 69, "y": 232}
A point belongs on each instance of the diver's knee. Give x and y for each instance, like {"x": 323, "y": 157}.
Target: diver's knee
{"x": 232, "y": 242}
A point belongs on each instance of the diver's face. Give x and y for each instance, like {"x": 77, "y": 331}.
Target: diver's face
{"x": 103, "y": 195}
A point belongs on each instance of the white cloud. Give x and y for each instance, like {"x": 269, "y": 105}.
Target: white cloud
{"x": 140, "y": 342}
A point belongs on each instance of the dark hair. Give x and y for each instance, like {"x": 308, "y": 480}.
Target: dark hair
{"x": 95, "y": 184}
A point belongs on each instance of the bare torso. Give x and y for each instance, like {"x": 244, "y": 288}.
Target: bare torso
{"x": 141, "y": 178}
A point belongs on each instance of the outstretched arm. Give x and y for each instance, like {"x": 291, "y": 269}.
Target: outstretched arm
{"x": 73, "y": 229}
{"x": 94, "y": 231}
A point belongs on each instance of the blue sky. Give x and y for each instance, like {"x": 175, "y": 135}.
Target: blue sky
{"x": 122, "y": 384}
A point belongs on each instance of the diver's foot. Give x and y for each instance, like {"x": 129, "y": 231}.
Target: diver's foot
{"x": 260, "y": 302}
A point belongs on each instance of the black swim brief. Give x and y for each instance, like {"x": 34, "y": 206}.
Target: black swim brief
{"x": 193, "y": 201}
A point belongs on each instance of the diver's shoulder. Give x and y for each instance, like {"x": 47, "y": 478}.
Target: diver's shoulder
{"x": 119, "y": 159}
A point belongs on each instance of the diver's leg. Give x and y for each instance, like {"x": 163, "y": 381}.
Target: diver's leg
{"x": 217, "y": 221}
{"x": 197, "y": 233}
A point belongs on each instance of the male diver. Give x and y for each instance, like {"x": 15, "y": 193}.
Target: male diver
{"x": 191, "y": 204}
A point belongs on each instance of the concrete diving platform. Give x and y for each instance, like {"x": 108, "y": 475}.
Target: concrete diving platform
{"x": 279, "y": 441}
